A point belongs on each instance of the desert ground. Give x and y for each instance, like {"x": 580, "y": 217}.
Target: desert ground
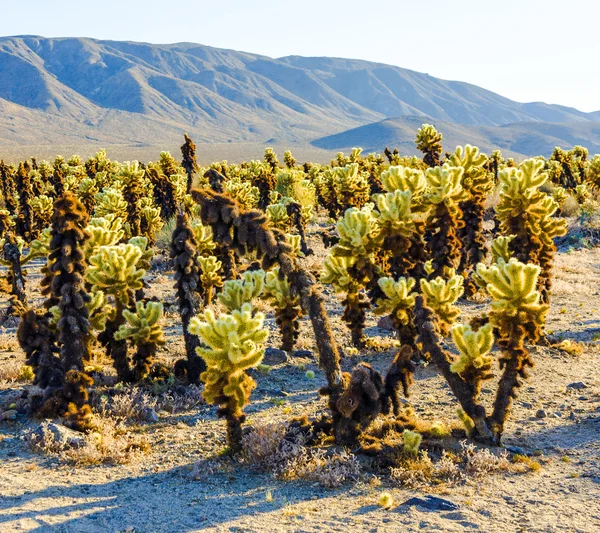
{"x": 179, "y": 479}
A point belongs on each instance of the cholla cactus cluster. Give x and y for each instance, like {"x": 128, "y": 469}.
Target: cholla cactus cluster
{"x": 409, "y": 242}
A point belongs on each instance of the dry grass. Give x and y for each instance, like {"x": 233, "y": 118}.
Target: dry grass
{"x": 108, "y": 444}
{"x": 132, "y": 404}
{"x": 284, "y": 453}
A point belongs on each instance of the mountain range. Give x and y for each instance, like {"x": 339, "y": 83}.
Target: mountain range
{"x": 78, "y": 91}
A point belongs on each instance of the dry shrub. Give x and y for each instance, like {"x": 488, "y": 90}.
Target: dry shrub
{"x": 130, "y": 404}
{"x": 108, "y": 444}
{"x": 207, "y": 468}
{"x": 283, "y": 452}
{"x": 451, "y": 468}
{"x": 11, "y": 371}
{"x": 133, "y": 404}
{"x": 413, "y": 472}
{"x": 481, "y": 461}
{"x": 570, "y": 208}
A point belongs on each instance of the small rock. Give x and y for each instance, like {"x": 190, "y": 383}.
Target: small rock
{"x": 527, "y": 405}
{"x": 150, "y": 415}
{"x": 432, "y": 503}
{"x": 11, "y": 414}
{"x": 57, "y": 434}
{"x": 274, "y": 356}
{"x": 541, "y": 414}
{"x": 517, "y": 450}
{"x": 303, "y": 353}
{"x": 577, "y": 385}
{"x": 386, "y": 324}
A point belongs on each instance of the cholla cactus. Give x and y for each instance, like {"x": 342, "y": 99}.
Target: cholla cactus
{"x": 412, "y": 441}
{"x": 581, "y": 193}
{"x": 237, "y": 292}
{"x": 114, "y": 271}
{"x": 398, "y": 302}
{"x": 289, "y": 159}
{"x": 278, "y": 217}
{"x": 440, "y": 296}
{"x": 527, "y": 213}
{"x": 65, "y": 288}
{"x": 518, "y": 314}
{"x": 144, "y": 331}
{"x": 210, "y": 278}
{"x": 6, "y": 222}
{"x": 43, "y": 207}
{"x": 184, "y": 253}
{"x": 500, "y": 248}
{"x": 188, "y": 151}
{"x": 560, "y": 196}
{"x": 429, "y": 141}
{"x": 515, "y": 299}
{"x": 567, "y": 167}
{"x": 477, "y": 184}
{"x": 593, "y": 172}
{"x": 205, "y": 245}
{"x": 344, "y": 187}
{"x": 287, "y": 307}
{"x": 133, "y": 191}
{"x": 444, "y": 193}
{"x": 401, "y": 228}
{"x": 404, "y": 179}
{"x": 235, "y": 344}
{"x": 164, "y": 191}
{"x": 38, "y": 248}
{"x": 150, "y": 220}
{"x": 244, "y": 192}
{"x": 336, "y": 270}
{"x": 357, "y": 230}
{"x": 25, "y": 218}
{"x": 271, "y": 159}
{"x": 87, "y": 191}
{"x": 64, "y": 280}
{"x": 110, "y": 202}
{"x": 474, "y": 363}
{"x": 103, "y": 231}
{"x": 9, "y": 190}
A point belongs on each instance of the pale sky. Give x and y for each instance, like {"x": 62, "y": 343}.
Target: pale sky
{"x": 527, "y": 50}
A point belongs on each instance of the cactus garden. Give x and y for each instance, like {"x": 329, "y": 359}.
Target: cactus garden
{"x": 299, "y": 346}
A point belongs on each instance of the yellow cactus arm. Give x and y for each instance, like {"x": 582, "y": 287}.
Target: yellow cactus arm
{"x": 500, "y": 248}
{"x": 103, "y": 231}
{"x": 143, "y": 325}
{"x": 515, "y": 299}
{"x": 444, "y": 184}
{"x": 335, "y": 272}
{"x": 210, "y": 267}
{"x": 474, "y": 347}
{"x": 441, "y": 295}
{"x": 114, "y": 270}
{"x": 399, "y": 298}
{"x": 237, "y": 292}
{"x": 357, "y": 231}
{"x": 403, "y": 179}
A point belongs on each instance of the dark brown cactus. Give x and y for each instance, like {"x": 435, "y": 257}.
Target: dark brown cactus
{"x": 188, "y": 150}
{"x": 187, "y": 275}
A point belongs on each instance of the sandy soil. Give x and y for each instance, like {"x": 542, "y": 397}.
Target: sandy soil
{"x": 183, "y": 484}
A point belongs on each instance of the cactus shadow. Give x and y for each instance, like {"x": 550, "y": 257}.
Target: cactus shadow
{"x": 166, "y": 501}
